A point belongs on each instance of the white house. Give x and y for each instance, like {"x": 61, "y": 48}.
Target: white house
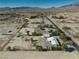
{"x": 53, "y": 42}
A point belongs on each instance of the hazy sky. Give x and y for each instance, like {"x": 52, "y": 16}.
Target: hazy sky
{"x": 35, "y": 3}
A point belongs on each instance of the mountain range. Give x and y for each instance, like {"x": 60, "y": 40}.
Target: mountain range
{"x": 65, "y": 8}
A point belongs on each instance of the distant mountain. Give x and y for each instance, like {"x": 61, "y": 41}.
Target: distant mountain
{"x": 52, "y": 10}
{"x": 27, "y": 9}
{"x": 15, "y": 8}
{"x": 75, "y": 4}
{"x": 71, "y": 7}
{"x": 4, "y": 8}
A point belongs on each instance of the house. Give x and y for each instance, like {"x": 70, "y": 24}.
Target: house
{"x": 52, "y": 42}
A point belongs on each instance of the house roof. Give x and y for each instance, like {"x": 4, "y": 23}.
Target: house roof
{"x": 53, "y": 41}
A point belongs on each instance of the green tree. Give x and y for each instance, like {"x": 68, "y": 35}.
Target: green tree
{"x": 58, "y": 17}
{"x": 9, "y": 48}
{"x": 62, "y": 36}
{"x": 36, "y": 34}
{"x": 66, "y": 28}
{"x": 61, "y": 17}
{"x": 64, "y": 47}
{"x": 32, "y": 40}
{"x": 56, "y": 32}
{"x": 28, "y": 32}
{"x": 39, "y": 48}
{"x": 32, "y": 17}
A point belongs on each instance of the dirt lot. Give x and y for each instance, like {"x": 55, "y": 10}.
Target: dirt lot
{"x": 38, "y": 55}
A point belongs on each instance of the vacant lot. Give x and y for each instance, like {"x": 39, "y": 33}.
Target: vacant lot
{"x": 38, "y": 55}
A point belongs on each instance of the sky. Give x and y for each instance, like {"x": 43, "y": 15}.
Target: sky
{"x": 35, "y": 3}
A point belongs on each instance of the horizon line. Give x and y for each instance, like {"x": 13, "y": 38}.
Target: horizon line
{"x": 34, "y": 6}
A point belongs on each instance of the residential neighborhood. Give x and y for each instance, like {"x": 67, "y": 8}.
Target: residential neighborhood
{"x": 41, "y": 29}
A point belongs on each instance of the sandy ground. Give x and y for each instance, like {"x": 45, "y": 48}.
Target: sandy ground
{"x": 38, "y": 55}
